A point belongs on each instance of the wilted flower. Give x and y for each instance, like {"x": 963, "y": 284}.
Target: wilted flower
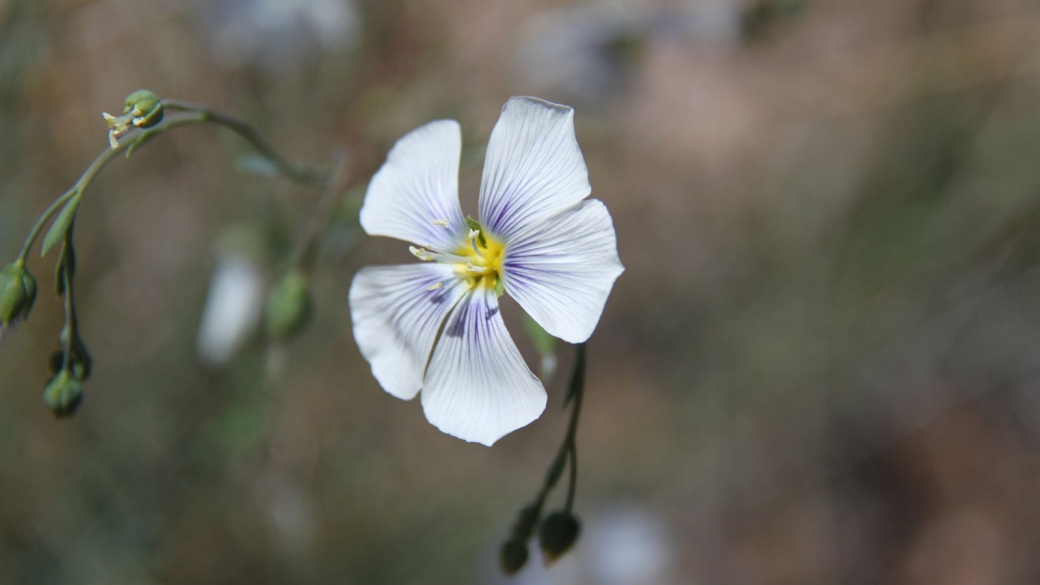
{"x": 537, "y": 239}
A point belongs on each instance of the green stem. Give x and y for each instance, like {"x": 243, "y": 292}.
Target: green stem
{"x": 306, "y": 250}
{"x": 251, "y": 135}
{"x": 569, "y": 447}
{"x": 71, "y": 322}
{"x": 572, "y": 485}
{"x": 193, "y": 114}
{"x": 570, "y": 443}
{"x": 40, "y": 223}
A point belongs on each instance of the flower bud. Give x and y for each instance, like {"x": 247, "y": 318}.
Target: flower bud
{"x": 557, "y": 534}
{"x": 17, "y": 294}
{"x": 63, "y": 394}
{"x": 145, "y": 108}
{"x": 289, "y": 306}
{"x": 513, "y": 556}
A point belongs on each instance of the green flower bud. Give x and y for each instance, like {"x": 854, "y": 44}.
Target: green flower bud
{"x": 513, "y": 556}
{"x": 145, "y": 108}
{"x": 63, "y": 394}
{"x": 557, "y": 534}
{"x": 17, "y": 294}
{"x": 289, "y": 306}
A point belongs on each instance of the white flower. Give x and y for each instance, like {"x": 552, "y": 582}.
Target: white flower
{"x": 436, "y": 326}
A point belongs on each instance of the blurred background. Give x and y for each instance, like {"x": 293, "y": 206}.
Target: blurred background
{"x": 821, "y": 366}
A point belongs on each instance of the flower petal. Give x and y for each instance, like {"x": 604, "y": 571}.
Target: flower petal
{"x": 478, "y": 387}
{"x": 396, "y": 317}
{"x": 562, "y": 270}
{"x": 534, "y": 168}
{"x": 418, "y": 186}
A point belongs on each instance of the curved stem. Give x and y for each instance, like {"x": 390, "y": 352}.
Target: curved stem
{"x": 251, "y": 135}
{"x": 40, "y": 223}
{"x": 193, "y": 114}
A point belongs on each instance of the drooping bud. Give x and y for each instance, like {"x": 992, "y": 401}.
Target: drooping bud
{"x": 289, "y": 306}
{"x": 63, "y": 394}
{"x": 17, "y": 294}
{"x": 513, "y": 556}
{"x": 146, "y": 108}
{"x": 557, "y": 535}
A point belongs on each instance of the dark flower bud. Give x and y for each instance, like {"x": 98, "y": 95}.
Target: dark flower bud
{"x": 557, "y": 534}
{"x": 513, "y": 556}
{"x": 289, "y": 306}
{"x": 17, "y": 294}
{"x": 63, "y": 394}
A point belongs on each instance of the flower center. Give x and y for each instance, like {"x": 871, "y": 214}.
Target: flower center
{"x": 483, "y": 260}
{"x": 478, "y": 263}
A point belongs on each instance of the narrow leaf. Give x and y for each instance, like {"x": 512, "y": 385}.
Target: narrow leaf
{"x": 60, "y": 225}
{"x": 253, "y": 164}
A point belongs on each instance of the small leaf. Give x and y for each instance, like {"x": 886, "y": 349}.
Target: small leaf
{"x": 60, "y": 225}
{"x": 253, "y": 164}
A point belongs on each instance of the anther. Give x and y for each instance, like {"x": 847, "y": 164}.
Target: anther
{"x": 442, "y": 222}
{"x": 420, "y": 253}
{"x": 435, "y": 286}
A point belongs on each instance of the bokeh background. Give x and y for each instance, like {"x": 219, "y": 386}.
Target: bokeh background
{"x": 821, "y": 365}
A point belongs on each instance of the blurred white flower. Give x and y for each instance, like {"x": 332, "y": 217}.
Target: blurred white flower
{"x": 538, "y": 239}
{"x": 588, "y": 53}
{"x": 233, "y": 308}
{"x": 279, "y": 34}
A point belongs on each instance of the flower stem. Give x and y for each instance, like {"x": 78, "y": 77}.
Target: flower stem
{"x": 71, "y": 322}
{"x": 252, "y": 135}
{"x": 577, "y": 389}
{"x": 335, "y": 182}
{"x": 193, "y": 114}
